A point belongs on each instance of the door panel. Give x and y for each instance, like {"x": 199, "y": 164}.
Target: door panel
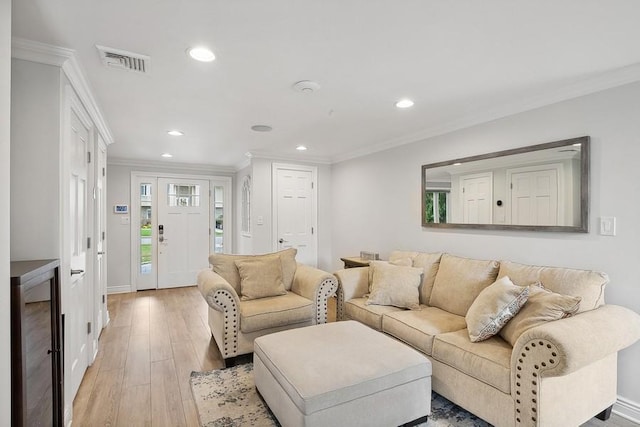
{"x": 534, "y": 197}
{"x": 183, "y": 230}
{"x": 477, "y": 193}
{"x": 76, "y": 353}
{"x": 294, "y": 212}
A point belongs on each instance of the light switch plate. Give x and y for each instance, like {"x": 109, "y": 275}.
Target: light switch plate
{"x": 608, "y": 225}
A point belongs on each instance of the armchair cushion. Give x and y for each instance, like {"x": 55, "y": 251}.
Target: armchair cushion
{"x": 225, "y": 266}
{"x": 260, "y": 277}
{"x": 267, "y": 313}
{"x": 541, "y": 307}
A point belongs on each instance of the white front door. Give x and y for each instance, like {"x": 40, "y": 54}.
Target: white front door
{"x": 477, "y": 193}
{"x": 76, "y": 354}
{"x": 534, "y": 197}
{"x": 294, "y": 199}
{"x": 183, "y": 230}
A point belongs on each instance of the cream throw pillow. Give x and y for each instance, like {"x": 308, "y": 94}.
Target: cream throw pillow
{"x": 260, "y": 277}
{"x": 494, "y": 307}
{"x": 398, "y": 261}
{"x": 394, "y": 285}
{"x": 542, "y": 306}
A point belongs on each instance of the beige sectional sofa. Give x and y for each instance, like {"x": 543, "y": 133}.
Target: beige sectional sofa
{"x": 559, "y": 373}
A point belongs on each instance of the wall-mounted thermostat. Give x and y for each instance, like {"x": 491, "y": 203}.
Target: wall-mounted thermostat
{"x": 121, "y": 209}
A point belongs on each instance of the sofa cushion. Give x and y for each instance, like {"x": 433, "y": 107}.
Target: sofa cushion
{"x": 586, "y": 284}
{"x": 542, "y": 306}
{"x": 418, "y": 328}
{"x": 266, "y": 313}
{"x": 459, "y": 281}
{"x": 394, "y": 285}
{"x": 370, "y": 315}
{"x": 494, "y": 307}
{"x": 260, "y": 277}
{"x": 225, "y": 266}
{"x": 429, "y": 263}
{"x": 487, "y": 361}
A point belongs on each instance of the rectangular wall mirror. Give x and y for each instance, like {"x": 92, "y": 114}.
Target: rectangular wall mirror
{"x": 542, "y": 187}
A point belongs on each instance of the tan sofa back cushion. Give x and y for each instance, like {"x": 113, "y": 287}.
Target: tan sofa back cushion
{"x": 225, "y": 266}
{"x": 428, "y": 262}
{"x": 459, "y": 281}
{"x": 586, "y": 284}
{"x": 260, "y": 277}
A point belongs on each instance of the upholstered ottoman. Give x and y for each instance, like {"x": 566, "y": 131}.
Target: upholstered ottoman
{"x": 341, "y": 374}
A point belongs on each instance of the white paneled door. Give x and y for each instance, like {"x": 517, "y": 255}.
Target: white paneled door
{"x": 476, "y": 198}
{"x": 534, "y": 197}
{"x": 294, "y": 202}
{"x": 182, "y": 232}
{"x": 77, "y": 311}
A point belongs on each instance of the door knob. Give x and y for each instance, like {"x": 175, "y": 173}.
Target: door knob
{"x": 76, "y": 272}
{"x": 281, "y": 240}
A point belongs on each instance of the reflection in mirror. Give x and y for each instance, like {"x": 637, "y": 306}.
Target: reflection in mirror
{"x": 540, "y": 187}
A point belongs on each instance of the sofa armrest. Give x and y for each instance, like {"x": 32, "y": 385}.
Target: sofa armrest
{"x": 352, "y": 283}
{"x": 315, "y": 285}
{"x": 218, "y": 293}
{"x": 577, "y": 341}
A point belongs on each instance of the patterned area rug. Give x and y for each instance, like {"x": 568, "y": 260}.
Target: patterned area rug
{"x": 228, "y": 398}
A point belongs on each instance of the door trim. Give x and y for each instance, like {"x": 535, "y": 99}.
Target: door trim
{"x": 135, "y": 214}
{"x": 274, "y": 202}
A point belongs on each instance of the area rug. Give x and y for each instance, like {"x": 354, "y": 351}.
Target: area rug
{"x": 228, "y": 398}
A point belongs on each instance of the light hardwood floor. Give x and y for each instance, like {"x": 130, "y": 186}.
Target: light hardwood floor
{"x": 147, "y": 352}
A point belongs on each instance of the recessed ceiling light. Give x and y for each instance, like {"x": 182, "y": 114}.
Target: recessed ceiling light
{"x": 404, "y": 103}
{"x": 202, "y": 54}
{"x": 167, "y": 155}
{"x": 261, "y": 128}
{"x": 175, "y": 133}
{"x": 301, "y": 148}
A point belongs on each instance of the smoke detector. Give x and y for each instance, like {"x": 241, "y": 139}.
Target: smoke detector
{"x": 306, "y": 86}
{"x": 121, "y": 59}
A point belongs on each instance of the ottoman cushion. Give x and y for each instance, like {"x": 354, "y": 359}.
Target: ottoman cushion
{"x": 323, "y": 366}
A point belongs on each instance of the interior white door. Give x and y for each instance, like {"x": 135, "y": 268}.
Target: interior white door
{"x": 477, "y": 193}
{"x": 76, "y": 317}
{"x": 294, "y": 210}
{"x": 534, "y": 197}
{"x": 183, "y": 230}
{"x": 101, "y": 315}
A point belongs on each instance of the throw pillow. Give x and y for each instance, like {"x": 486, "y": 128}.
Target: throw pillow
{"x": 494, "y": 307}
{"x": 400, "y": 261}
{"x": 260, "y": 277}
{"x": 394, "y": 285}
{"x": 542, "y": 306}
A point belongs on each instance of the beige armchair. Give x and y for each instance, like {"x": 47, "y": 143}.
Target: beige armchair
{"x": 239, "y": 312}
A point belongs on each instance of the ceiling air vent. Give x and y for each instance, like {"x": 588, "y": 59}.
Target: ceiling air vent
{"x": 124, "y": 60}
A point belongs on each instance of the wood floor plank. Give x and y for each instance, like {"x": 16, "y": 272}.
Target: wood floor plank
{"x": 81, "y": 402}
{"x": 135, "y": 407}
{"x": 166, "y": 401}
{"x": 116, "y": 344}
{"x": 102, "y": 408}
{"x": 140, "y": 316}
{"x": 191, "y": 413}
{"x": 138, "y": 364}
{"x": 186, "y": 361}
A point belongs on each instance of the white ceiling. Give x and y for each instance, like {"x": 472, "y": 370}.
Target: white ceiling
{"x": 461, "y": 61}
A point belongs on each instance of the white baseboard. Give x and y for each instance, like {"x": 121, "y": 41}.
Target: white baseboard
{"x": 120, "y": 289}
{"x": 627, "y": 409}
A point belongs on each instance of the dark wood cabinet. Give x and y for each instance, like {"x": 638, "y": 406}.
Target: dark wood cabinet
{"x": 36, "y": 344}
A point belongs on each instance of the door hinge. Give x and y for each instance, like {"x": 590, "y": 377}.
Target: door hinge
{"x": 88, "y": 327}
{"x": 104, "y": 171}
{"x": 103, "y": 234}
{"x": 209, "y": 231}
{"x": 312, "y": 185}
{"x": 511, "y": 185}
{"x": 311, "y": 230}
{"x": 104, "y": 298}
{"x": 88, "y": 156}
{"x": 88, "y": 242}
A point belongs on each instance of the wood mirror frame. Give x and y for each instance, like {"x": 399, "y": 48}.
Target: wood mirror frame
{"x": 580, "y": 221}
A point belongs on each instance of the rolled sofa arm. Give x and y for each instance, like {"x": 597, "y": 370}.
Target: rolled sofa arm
{"x": 564, "y": 346}
{"x": 218, "y": 293}
{"x": 352, "y": 283}
{"x": 315, "y": 285}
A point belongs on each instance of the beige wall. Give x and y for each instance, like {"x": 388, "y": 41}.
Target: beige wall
{"x": 5, "y": 109}
{"x": 384, "y": 214}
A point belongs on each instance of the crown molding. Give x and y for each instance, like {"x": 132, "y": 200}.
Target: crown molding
{"x": 317, "y": 160}
{"x": 117, "y": 161}
{"x": 67, "y": 60}
{"x": 243, "y": 164}
{"x": 593, "y": 84}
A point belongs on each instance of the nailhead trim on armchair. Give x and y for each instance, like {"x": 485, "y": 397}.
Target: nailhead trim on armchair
{"x": 224, "y": 299}
{"x": 326, "y": 288}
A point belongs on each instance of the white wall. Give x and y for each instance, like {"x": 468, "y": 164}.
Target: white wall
{"x": 118, "y": 234}
{"x": 376, "y": 199}
{"x": 5, "y": 110}
{"x": 35, "y": 153}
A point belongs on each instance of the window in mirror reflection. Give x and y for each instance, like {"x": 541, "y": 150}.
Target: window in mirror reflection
{"x": 436, "y": 206}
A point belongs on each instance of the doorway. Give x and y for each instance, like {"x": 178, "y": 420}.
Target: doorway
{"x": 176, "y": 222}
{"x": 477, "y": 192}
